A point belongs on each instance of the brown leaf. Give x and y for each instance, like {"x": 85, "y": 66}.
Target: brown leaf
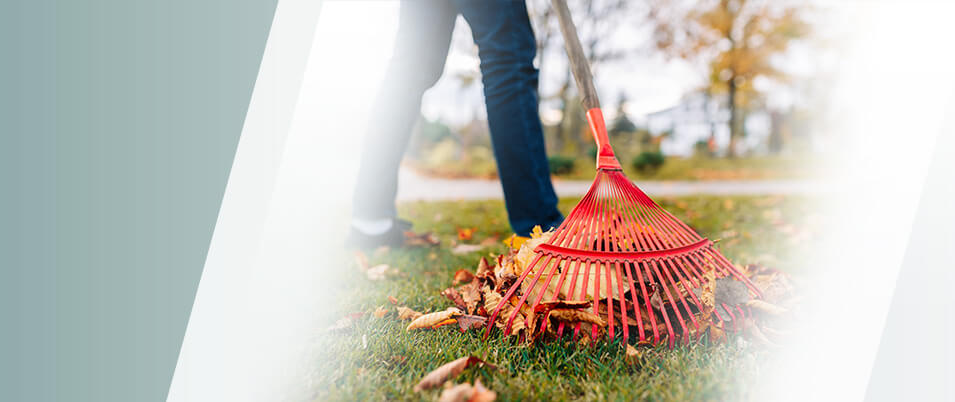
{"x": 765, "y": 307}
{"x": 457, "y": 393}
{"x": 463, "y": 275}
{"x": 490, "y": 241}
{"x": 455, "y": 297}
{"x": 431, "y": 319}
{"x": 345, "y": 323}
{"x": 471, "y": 295}
{"x": 753, "y": 333}
{"x": 483, "y": 269}
{"x": 562, "y": 304}
{"x": 632, "y": 354}
{"x": 467, "y": 393}
{"x": 379, "y": 272}
{"x": 774, "y": 286}
{"x": 571, "y": 315}
{"x": 448, "y": 371}
{"x": 426, "y": 239}
{"x": 342, "y": 324}
{"x": 466, "y": 248}
{"x": 405, "y": 313}
{"x": 468, "y": 322}
{"x": 539, "y": 316}
{"x": 361, "y": 260}
{"x": 393, "y": 300}
{"x": 381, "y": 312}
{"x": 491, "y": 300}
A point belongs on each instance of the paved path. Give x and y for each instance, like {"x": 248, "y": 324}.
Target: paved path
{"x": 413, "y": 186}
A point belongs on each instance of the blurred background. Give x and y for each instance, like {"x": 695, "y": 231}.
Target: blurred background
{"x": 692, "y": 90}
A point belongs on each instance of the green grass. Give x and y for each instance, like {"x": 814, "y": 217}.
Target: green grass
{"x": 675, "y": 168}
{"x": 390, "y": 361}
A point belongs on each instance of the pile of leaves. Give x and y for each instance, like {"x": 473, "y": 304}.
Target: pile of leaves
{"x": 718, "y": 307}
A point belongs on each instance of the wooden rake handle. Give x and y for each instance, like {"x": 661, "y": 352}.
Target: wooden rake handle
{"x": 585, "y": 86}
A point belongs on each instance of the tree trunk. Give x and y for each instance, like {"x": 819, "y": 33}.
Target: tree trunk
{"x": 734, "y": 118}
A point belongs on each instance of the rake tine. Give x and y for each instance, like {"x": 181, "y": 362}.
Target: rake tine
{"x": 510, "y": 292}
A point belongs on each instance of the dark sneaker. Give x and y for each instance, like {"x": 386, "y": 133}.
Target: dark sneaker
{"x": 394, "y": 237}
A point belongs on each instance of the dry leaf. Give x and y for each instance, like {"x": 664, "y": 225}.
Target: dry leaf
{"x": 466, "y": 233}
{"x": 753, "y": 333}
{"x": 491, "y": 300}
{"x": 490, "y": 241}
{"x": 468, "y": 393}
{"x": 463, "y": 275}
{"x": 380, "y": 312}
{"x": 345, "y": 322}
{"x": 448, "y": 371}
{"x": 342, "y": 324}
{"x": 393, "y": 300}
{"x": 457, "y": 393}
{"x": 455, "y": 297}
{"x": 379, "y": 272}
{"x": 728, "y": 204}
{"x": 484, "y": 270}
{"x": 515, "y": 242}
{"x": 468, "y": 322}
{"x": 632, "y": 354}
{"x": 471, "y": 295}
{"x": 571, "y": 315}
{"x": 466, "y": 248}
{"x": 774, "y": 286}
{"x": 765, "y": 307}
{"x": 562, "y": 304}
{"x": 361, "y": 260}
{"x": 405, "y": 313}
{"x": 431, "y": 319}
{"x": 427, "y": 239}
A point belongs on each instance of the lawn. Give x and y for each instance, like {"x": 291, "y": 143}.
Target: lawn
{"x": 376, "y": 359}
{"x": 674, "y": 168}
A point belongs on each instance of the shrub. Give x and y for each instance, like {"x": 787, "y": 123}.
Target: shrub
{"x": 648, "y": 162}
{"x": 560, "y": 164}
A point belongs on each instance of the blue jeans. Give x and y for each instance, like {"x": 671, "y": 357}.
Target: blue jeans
{"x": 506, "y": 46}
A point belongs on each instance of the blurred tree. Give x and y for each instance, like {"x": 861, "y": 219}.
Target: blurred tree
{"x": 596, "y": 21}
{"x": 621, "y": 124}
{"x": 736, "y": 41}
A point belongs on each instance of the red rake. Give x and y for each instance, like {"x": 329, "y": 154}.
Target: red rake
{"x": 620, "y": 239}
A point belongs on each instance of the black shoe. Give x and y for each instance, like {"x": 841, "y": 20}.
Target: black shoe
{"x": 394, "y": 237}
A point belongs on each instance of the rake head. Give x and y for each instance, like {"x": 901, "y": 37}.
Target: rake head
{"x": 637, "y": 263}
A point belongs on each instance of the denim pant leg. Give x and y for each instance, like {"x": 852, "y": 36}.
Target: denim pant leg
{"x": 506, "y": 46}
{"x": 421, "y": 47}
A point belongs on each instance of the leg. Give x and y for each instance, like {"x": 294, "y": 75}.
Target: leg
{"x": 506, "y": 45}
{"x": 424, "y": 35}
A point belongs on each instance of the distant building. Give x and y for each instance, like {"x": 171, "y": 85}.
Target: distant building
{"x": 698, "y": 116}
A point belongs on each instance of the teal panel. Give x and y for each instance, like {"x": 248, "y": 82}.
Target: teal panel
{"x": 119, "y": 121}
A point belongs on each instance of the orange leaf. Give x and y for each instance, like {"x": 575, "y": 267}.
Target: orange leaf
{"x": 466, "y": 233}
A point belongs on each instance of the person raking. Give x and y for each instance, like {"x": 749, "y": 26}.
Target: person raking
{"x": 506, "y": 47}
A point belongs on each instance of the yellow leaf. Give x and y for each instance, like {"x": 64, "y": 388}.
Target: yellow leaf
{"x": 515, "y": 241}
{"x": 431, "y": 319}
